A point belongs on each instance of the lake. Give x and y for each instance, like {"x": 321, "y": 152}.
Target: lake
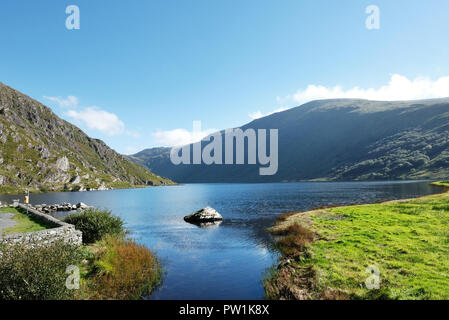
{"x": 227, "y": 261}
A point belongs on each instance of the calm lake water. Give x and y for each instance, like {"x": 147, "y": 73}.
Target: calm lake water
{"x": 228, "y": 261}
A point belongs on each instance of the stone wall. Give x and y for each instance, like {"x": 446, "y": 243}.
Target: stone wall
{"x": 58, "y": 230}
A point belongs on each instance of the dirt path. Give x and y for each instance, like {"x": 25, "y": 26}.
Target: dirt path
{"x": 6, "y": 221}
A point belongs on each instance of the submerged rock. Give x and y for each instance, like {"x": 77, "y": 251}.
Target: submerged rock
{"x": 205, "y": 215}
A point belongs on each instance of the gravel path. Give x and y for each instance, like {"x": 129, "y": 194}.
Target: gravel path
{"x": 6, "y": 220}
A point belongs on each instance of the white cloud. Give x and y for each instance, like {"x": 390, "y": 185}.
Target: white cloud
{"x": 179, "y": 137}
{"x": 132, "y": 133}
{"x": 398, "y": 88}
{"x": 258, "y": 114}
{"x": 97, "y": 119}
{"x": 69, "y": 102}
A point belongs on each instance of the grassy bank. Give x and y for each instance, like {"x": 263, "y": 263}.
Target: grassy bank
{"x": 111, "y": 266}
{"x": 24, "y": 222}
{"x": 326, "y": 252}
{"x": 444, "y": 184}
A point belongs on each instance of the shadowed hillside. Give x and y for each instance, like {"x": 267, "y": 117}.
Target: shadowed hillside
{"x": 341, "y": 139}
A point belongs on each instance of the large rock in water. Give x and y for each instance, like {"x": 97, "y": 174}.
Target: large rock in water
{"x": 207, "y": 214}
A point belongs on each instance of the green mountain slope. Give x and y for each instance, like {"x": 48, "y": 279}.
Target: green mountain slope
{"x": 340, "y": 139}
{"x": 40, "y": 151}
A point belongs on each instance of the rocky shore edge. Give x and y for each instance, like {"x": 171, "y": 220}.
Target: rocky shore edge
{"x": 64, "y": 207}
{"x": 52, "y": 208}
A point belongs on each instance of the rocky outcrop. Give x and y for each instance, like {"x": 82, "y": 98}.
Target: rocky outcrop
{"x": 76, "y": 180}
{"x": 45, "y": 154}
{"x": 40, "y": 151}
{"x": 62, "y": 164}
{"x": 56, "y": 177}
{"x": 102, "y": 188}
{"x": 205, "y": 215}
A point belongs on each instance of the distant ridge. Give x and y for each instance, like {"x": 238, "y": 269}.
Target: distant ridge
{"x": 338, "y": 139}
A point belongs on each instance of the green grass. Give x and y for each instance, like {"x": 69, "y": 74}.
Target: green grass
{"x": 24, "y": 223}
{"x": 407, "y": 240}
{"x": 441, "y": 183}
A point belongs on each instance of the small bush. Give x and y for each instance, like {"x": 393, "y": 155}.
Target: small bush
{"x": 96, "y": 224}
{"x": 36, "y": 273}
{"x": 44, "y": 189}
{"x": 123, "y": 270}
{"x": 295, "y": 238}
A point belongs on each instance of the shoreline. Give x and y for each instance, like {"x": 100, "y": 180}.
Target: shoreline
{"x": 299, "y": 273}
{"x": 38, "y": 191}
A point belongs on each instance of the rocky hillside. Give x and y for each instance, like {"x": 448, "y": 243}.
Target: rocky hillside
{"x": 341, "y": 139}
{"x": 40, "y": 151}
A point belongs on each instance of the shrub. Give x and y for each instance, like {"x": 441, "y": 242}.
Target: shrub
{"x": 36, "y": 273}
{"x": 284, "y": 216}
{"x": 295, "y": 238}
{"x": 95, "y": 224}
{"x": 44, "y": 189}
{"x": 123, "y": 270}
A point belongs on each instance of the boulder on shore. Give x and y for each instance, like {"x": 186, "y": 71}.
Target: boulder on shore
{"x": 83, "y": 206}
{"x": 207, "y": 214}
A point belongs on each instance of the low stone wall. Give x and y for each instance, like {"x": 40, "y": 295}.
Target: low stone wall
{"x": 58, "y": 231}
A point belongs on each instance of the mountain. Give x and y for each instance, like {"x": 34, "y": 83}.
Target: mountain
{"x": 340, "y": 139}
{"x": 40, "y": 151}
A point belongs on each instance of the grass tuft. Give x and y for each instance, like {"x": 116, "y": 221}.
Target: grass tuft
{"x": 294, "y": 240}
{"x": 122, "y": 269}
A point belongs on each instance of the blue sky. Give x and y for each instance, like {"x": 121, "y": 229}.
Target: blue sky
{"x": 139, "y": 72}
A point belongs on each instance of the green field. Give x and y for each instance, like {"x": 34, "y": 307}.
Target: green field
{"x": 408, "y": 241}
{"x": 24, "y": 223}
